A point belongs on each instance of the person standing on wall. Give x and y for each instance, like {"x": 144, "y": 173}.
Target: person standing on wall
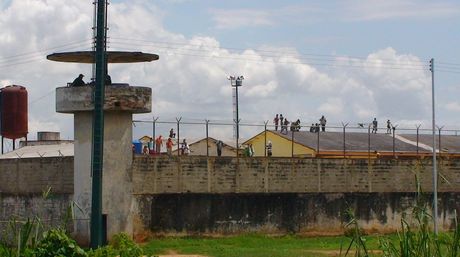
{"x": 158, "y": 144}
{"x": 169, "y": 146}
{"x": 269, "y": 148}
{"x": 323, "y": 121}
{"x": 276, "y": 121}
{"x": 219, "y": 146}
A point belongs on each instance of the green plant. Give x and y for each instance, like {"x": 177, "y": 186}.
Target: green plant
{"x": 20, "y": 236}
{"x": 56, "y": 243}
{"x": 120, "y": 245}
{"x": 356, "y": 235}
{"x": 417, "y": 239}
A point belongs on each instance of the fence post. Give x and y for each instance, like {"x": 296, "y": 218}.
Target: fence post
{"x": 369, "y": 141}
{"x": 394, "y": 141}
{"x": 178, "y": 135}
{"x": 317, "y": 143}
{"x": 237, "y": 122}
{"x": 207, "y": 137}
{"x": 418, "y": 128}
{"x": 344, "y": 146}
{"x": 439, "y": 139}
{"x": 154, "y": 124}
{"x": 265, "y": 135}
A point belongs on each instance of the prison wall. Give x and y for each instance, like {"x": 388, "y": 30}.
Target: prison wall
{"x": 35, "y": 187}
{"x": 225, "y": 195}
{"x": 228, "y": 195}
{"x": 221, "y": 175}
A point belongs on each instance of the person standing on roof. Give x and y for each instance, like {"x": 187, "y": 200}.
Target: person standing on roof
{"x": 281, "y": 121}
{"x": 78, "y": 82}
{"x": 374, "y": 125}
{"x": 276, "y": 121}
{"x": 171, "y": 133}
{"x": 284, "y": 126}
{"x": 323, "y": 121}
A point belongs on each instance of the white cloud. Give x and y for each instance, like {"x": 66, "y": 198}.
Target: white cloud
{"x": 355, "y": 10}
{"x": 347, "y": 10}
{"x": 452, "y": 106}
{"x": 189, "y": 79}
{"x": 226, "y": 19}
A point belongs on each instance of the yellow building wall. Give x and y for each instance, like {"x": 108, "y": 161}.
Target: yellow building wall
{"x": 281, "y": 147}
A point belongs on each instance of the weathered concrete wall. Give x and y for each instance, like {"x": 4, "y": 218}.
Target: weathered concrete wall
{"x": 310, "y": 213}
{"x": 34, "y": 175}
{"x": 116, "y": 186}
{"x": 226, "y": 195}
{"x": 195, "y": 174}
{"x": 22, "y": 183}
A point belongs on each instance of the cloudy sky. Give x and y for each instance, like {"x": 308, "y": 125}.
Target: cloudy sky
{"x": 349, "y": 60}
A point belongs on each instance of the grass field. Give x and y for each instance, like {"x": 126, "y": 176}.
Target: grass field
{"x": 255, "y": 245}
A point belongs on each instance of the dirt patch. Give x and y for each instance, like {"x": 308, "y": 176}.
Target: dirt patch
{"x": 336, "y": 253}
{"x": 172, "y": 253}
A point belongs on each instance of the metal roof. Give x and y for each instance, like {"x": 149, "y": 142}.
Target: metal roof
{"x": 37, "y": 151}
{"x": 449, "y": 143}
{"x": 354, "y": 141}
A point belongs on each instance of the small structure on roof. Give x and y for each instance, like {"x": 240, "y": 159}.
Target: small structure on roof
{"x": 198, "y": 147}
{"x": 336, "y": 145}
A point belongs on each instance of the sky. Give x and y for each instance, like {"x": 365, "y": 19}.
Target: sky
{"x": 348, "y": 60}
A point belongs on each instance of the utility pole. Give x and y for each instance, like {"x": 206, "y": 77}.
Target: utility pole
{"x": 435, "y": 172}
{"x": 98, "y": 127}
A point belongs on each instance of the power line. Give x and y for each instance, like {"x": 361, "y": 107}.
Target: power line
{"x": 41, "y": 97}
{"x": 76, "y": 43}
{"x": 278, "y": 53}
{"x": 330, "y": 64}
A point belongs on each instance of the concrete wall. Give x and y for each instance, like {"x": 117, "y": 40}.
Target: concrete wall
{"x": 194, "y": 194}
{"x": 34, "y": 175}
{"x": 308, "y": 213}
{"x": 195, "y": 174}
{"x": 22, "y": 183}
{"x": 116, "y": 185}
{"x": 191, "y": 195}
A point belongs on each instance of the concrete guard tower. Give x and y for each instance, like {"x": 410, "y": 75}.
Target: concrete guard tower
{"x": 121, "y": 101}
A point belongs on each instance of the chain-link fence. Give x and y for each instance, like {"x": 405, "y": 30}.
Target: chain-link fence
{"x": 292, "y": 140}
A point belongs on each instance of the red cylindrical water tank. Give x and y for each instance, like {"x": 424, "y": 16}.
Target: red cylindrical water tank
{"x": 13, "y": 112}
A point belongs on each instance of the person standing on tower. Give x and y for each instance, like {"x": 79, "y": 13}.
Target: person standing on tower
{"x": 78, "y": 82}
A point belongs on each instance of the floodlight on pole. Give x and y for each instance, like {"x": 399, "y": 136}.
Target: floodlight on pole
{"x": 236, "y": 82}
{"x": 435, "y": 172}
